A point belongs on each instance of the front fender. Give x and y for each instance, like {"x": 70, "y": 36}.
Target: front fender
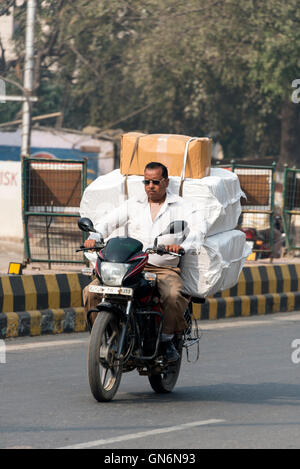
{"x": 109, "y": 307}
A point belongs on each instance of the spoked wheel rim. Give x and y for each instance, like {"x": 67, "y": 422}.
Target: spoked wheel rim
{"x": 104, "y": 370}
{"x": 108, "y": 369}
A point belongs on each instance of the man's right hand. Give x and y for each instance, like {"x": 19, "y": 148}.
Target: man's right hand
{"x": 90, "y": 243}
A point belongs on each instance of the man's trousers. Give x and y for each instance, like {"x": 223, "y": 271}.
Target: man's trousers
{"x": 170, "y": 288}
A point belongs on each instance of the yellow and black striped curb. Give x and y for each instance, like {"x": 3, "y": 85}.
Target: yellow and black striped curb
{"x": 249, "y": 305}
{"x": 265, "y": 279}
{"x": 36, "y": 323}
{"x": 52, "y": 303}
{"x": 56, "y": 321}
{"x": 33, "y": 305}
{"x": 41, "y": 292}
{"x": 260, "y": 290}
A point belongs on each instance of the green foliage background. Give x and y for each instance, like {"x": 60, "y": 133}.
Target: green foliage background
{"x": 197, "y": 67}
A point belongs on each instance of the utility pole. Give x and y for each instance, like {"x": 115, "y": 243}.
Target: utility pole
{"x": 28, "y": 78}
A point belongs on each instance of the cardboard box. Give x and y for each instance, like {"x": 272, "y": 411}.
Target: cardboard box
{"x": 167, "y": 149}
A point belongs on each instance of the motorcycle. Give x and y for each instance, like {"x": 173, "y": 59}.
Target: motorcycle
{"x": 259, "y": 240}
{"x": 255, "y": 242}
{"x": 126, "y": 332}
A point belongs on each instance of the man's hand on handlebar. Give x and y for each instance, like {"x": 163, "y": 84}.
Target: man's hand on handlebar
{"x": 174, "y": 248}
{"x": 90, "y": 243}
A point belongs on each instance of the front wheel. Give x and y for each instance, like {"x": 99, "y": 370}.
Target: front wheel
{"x": 165, "y": 382}
{"x": 103, "y": 369}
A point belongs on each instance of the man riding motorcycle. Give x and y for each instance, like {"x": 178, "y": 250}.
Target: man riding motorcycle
{"x": 145, "y": 219}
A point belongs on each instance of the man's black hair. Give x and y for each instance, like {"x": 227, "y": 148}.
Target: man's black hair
{"x": 155, "y": 164}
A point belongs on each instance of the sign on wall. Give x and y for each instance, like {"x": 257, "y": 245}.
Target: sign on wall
{"x": 11, "y": 200}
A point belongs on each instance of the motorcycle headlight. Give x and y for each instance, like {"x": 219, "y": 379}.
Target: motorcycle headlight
{"x": 112, "y": 273}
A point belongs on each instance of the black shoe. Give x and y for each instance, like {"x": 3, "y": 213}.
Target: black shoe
{"x": 169, "y": 351}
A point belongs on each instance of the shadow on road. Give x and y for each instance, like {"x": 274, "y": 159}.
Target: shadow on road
{"x": 265, "y": 393}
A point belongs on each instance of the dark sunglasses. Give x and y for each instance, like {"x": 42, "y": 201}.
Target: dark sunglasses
{"x": 155, "y": 182}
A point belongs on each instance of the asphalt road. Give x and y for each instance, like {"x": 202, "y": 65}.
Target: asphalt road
{"x": 244, "y": 392}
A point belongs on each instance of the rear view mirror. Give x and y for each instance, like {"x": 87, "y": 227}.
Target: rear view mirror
{"x": 85, "y": 224}
{"x": 177, "y": 227}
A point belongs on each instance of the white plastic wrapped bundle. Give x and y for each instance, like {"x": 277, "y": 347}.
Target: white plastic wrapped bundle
{"x": 218, "y": 265}
{"x": 216, "y": 197}
{"x": 106, "y": 193}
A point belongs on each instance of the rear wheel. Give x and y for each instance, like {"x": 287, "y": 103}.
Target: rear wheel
{"x": 165, "y": 382}
{"x": 103, "y": 370}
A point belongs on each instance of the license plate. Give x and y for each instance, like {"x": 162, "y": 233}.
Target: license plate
{"x": 110, "y": 290}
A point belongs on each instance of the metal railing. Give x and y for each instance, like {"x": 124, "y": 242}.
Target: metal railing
{"x": 291, "y": 208}
{"x": 258, "y": 209}
{"x": 52, "y": 191}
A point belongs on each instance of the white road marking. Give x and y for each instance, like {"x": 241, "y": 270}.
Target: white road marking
{"x": 39, "y": 345}
{"x": 134, "y": 436}
{"x": 232, "y": 324}
{"x": 289, "y": 317}
{"x": 19, "y": 447}
{"x": 245, "y": 322}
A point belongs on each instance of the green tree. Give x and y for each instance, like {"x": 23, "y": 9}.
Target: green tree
{"x": 257, "y": 47}
{"x": 220, "y": 67}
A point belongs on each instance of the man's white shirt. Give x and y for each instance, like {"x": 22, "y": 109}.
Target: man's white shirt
{"x": 135, "y": 216}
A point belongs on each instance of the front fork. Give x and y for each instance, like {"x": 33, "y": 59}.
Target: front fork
{"x": 124, "y": 330}
{"x": 125, "y": 326}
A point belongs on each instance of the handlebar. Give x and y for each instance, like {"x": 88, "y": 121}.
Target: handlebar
{"x": 160, "y": 250}
{"x": 98, "y": 246}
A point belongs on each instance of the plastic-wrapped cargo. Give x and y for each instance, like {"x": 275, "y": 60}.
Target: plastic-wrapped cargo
{"x": 217, "y": 266}
{"x": 216, "y": 197}
{"x": 107, "y": 192}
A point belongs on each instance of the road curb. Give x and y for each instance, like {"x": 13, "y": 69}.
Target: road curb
{"x": 249, "y": 305}
{"x": 261, "y": 289}
{"x": 41, "y": 292}
{"x": 51, "y": 304}
{"x": 36, "y": 323}
{"x": 265, "y": 279}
